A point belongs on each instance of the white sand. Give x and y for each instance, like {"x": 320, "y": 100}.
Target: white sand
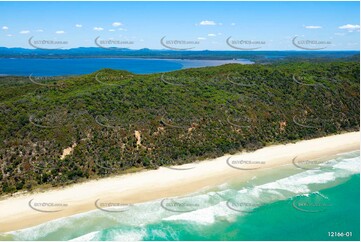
{"x": 15, "y": 212}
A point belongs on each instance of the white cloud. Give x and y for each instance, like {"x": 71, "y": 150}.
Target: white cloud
{"x": 233, "y": 24}
{"x": 60, "y": 32}
{"x": 9, "y": 35}
{"x": 353, "y": 43}
{"x": 350, "y": 27}
{"x": 111, "y": 30}
{"x": 121, "y": 29}
{"x": 98, "y": 29}
{"x": 117, "y": 24}
{"x": 39, "y": 30}
{"x": 207, "y": 22}
{"x": 313, "y": 27}
{"x": 211, "y": 35}
{"x": 78, "y": 25}
{"x": 24, "y": 32}
{"x": 5, "y": 28}
{"x": 201, "y": 38}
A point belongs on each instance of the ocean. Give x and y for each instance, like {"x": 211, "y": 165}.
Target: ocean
{"x": 289, "y": 203}
{"x": 74, "y": 66}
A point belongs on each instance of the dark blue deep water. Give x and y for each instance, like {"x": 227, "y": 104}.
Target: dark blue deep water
{"x": 78, "y": 66}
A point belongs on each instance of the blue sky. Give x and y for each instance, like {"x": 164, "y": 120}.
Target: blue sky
{"x": 203, "y": 25}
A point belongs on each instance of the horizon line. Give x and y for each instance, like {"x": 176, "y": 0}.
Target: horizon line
{"x": 94, "y": 47}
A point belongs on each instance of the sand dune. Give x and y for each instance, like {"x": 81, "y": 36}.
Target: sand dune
{"x": 26, "y": 210}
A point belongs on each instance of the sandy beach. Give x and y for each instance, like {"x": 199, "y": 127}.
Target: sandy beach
{"x": 23, "y": 211}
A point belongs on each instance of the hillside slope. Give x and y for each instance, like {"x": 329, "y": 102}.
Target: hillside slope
{"x": 56, "y": 132}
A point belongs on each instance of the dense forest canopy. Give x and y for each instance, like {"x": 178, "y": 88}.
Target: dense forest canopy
{"x": 57, "y": 131}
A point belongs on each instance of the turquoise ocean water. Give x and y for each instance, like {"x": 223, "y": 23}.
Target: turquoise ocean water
{"x": 74, "y": 66}
{"x": 321, "y": 203}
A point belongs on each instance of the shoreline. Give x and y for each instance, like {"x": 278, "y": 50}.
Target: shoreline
{"x": 16, "y": 211}
{"x": 184, "y": 63}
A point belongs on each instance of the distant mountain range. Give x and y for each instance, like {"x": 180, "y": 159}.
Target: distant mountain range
{"x": 257, "y": 56}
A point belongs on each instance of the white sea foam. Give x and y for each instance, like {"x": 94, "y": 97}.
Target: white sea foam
{"x": 207, "y": 215}
{"x": 352, "y": 165}
{"x": 42, "y": 230}
{"x": 114, "y": 235}
{"x": 212, "y": 206}
{"x": 160, "y": 233}
{"x": 87, "y": 237}
{"x": 281, "y": 189}
{"x": 137, "y": 235}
